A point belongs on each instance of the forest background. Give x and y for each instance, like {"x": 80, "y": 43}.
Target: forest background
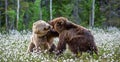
{"x": 20, "y": 14}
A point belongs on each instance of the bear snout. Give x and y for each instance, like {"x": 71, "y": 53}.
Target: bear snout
{"x": 47, "y": 28}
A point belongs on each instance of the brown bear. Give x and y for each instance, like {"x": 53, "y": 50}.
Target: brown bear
{"x": 42, "y": 37}
{"x": 78, "y": 38}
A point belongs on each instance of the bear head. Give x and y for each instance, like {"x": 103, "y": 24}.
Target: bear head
{"x": 61, "y": 23}
{"x": 41, "y": 28}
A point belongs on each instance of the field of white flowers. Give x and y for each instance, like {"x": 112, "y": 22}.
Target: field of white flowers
{"x": 13, "y": 48}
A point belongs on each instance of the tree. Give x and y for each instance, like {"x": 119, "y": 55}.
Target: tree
{"x": 0, "y": 14}
{"x": 40, "y": 10}
{"x": 92, "y": 14}
{"x": 0, "y": 19}
{"x": 18, "y": 7}
{"x": 6, "y": 17}
{"x": 75, "y": 11}
{"x": 50, "y": 9}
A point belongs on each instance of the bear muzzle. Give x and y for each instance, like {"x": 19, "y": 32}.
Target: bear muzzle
{"x": 47, "y": 28}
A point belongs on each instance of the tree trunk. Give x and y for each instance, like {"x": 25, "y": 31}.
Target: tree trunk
{"x": 6, "y": 17}
{"x": 92, "y": 14}
{"x": 18, "y": 7}
{"x": 41, "y": 10}
{"x": 0, "y": 14}
{"x": 0, "y": 19}
{"x": 76, "y": 11}
{"x": 50, "y": 9}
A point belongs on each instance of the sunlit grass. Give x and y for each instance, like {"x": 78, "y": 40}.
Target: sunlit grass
{"x": 13, "y": 48}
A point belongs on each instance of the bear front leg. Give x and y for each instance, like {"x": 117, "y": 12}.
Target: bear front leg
{"x": 61, "y": 47}
{"x": 37, "y": 46}
{"x": 30, "y": 47}
{"x": 52, "y": 48}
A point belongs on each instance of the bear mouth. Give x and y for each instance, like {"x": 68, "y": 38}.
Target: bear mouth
{"x": 45, "y": 29}
{"x": 43, "y": 37}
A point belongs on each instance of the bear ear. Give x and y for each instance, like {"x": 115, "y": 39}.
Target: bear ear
{"x": 34, "y": 24}
{"x": 70, "y": 25}
{"x": 51, "y": 23}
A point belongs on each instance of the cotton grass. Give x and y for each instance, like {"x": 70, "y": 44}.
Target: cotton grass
{"x": 13, "y": 48}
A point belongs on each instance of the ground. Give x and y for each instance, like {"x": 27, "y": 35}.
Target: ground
{"x": 13, "y": 48}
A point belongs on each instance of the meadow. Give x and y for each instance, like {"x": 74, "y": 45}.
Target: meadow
{"x": 13, "y": 46}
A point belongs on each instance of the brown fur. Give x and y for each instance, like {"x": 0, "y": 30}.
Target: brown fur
{"x": 78, "y": 38}
{"x": 42, "y": 37}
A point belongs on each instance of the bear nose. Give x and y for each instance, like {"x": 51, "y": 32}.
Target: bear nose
{"x": 48, "y": 27}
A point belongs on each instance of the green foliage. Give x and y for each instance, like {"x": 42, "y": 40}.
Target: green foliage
{"x": 11, "y": 13}
{"x": 85, "y": 11}
{"x": 30, "y": 12}
{"x": 66, "y": 10}
{"x": 21, "y": 25}
{"x": 99, "y": 17}
{"x": 45, "y": 14}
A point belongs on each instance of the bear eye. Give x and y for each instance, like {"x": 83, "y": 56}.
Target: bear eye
{"x": 59, "y": 23}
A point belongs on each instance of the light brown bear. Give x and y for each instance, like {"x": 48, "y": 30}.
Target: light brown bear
{"x": 42, "y": 37}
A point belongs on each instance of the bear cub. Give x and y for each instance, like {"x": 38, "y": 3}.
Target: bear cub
{"x": 42, "y": 37}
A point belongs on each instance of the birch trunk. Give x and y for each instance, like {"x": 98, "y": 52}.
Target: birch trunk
{"x": 92, "y": 14}
{"x": 0, "y": 19}
{"x": 6, "y": 17}
{"x": 40, "y": 10}
{"x": 18, "y": 7}
{"x": 50, "y": 9}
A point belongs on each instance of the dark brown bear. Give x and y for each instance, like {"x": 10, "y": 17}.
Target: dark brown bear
{"x": 78, "y": 38}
